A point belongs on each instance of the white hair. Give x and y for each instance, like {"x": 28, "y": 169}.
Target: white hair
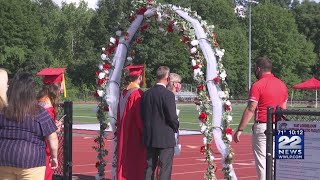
{"x": 174, "y": 78}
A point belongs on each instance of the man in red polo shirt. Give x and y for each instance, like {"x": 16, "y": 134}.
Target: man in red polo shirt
{"x": 267, "y": 91}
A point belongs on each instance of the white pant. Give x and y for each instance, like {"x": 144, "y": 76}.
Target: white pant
{"x": 259, "y": 141}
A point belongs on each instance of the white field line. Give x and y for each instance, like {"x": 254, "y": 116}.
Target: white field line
{"x": 198, "y": 123}
{"x": 90, "y": 117}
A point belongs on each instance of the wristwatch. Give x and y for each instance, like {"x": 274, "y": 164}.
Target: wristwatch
{"x": 240, "y": 130}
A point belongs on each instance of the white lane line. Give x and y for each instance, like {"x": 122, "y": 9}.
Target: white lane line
{"x": 193, "y": 172}
{"x": 85, "y": 173}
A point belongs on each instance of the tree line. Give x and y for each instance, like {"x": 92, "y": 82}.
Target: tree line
{"x": 35, "y": 34}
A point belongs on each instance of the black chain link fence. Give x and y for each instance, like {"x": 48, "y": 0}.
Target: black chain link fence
{"x": 59, "y": 171}
{"x": 64, "y": 171}
{"x": 302, "y": 115}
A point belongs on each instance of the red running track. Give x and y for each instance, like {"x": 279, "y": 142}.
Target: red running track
{"x": 189, "y": 165}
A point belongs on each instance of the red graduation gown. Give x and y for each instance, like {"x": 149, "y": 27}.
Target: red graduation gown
{"x": 131, "y": 151}
{"x": 47, "y": 105}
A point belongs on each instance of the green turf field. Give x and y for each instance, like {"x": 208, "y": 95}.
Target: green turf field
{"x": 83, "y": 113}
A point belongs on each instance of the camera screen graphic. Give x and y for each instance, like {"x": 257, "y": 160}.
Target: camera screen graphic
{"x": 289, "y": 144}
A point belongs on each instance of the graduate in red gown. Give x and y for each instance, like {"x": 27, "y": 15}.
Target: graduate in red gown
{"x": 131, "y": 151}
{"x": 53, "y": 85}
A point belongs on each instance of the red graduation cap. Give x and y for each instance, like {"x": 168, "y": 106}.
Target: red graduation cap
{"x": 53, "y": 75}
{"x": 135, "y": 70}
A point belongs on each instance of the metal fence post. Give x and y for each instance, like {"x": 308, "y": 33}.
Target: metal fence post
{"x": 269, "y": 144}
{"x": 278, "y": 114}
{"x": 67, "y": 148}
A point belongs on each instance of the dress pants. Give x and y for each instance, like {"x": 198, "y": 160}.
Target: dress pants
{"x": 259, "y": 145}
{"x": 165, "y": 157}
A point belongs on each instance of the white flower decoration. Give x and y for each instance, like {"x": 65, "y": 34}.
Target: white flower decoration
{"x": 220, "y": 53}
{"x": 112, "y": 40}
{"x": 161, "y": 29}
{"x": 203, "y": 23}
{"x": 194, "y": 42}
{"x": 100, "y": 66}
{"x": 106, "y": 71}
{"x": 197, "y": 72}
{"x": 129, "y": 58}
{"x": 203, "y": 128}
{"x": 103, "y": 57}
{"x": 229, "y": 118}
{"x": 103, "y": 49}
{"x": 159, "y": 18}
{"x": 229, "y": 137}
{"x": 228, "y": 103}
{"x": 193, "y": 50}
{"x": 226, "y": 93}
{"x": 211, "y": 27}
{"x": 193, "y": 62}
{"x": 100, "y": 93}
{"x": 223, "y": 75}
{"x": 102, "y": 75}
{"x": 175, "y": 27}
{"x": 205, "y": 141}
{"x": 221, "y": 94}
{"x": 211, "y": 158}
{"x": 118, "y": 33}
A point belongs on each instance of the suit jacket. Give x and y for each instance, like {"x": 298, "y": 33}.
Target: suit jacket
{"x": 160, "y": 120}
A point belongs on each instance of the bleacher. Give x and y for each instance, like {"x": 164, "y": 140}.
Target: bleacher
{"x": 185, "y": 96}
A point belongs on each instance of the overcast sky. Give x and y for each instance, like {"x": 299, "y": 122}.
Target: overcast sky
{"x": 92, "y": 3}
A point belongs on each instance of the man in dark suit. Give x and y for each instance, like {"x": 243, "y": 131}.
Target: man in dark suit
{"x": 158, "y": 111}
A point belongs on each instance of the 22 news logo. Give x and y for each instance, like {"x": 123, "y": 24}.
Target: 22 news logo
{"x": 289, "y": 146}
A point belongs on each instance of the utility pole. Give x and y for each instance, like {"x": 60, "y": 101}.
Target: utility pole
{"x": 250, "y": 39}
{"x": 249, "y": 58}
{"x": 241, "y": 7}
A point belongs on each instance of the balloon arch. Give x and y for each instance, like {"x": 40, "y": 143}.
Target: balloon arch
{"x": 212, "y": 90}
